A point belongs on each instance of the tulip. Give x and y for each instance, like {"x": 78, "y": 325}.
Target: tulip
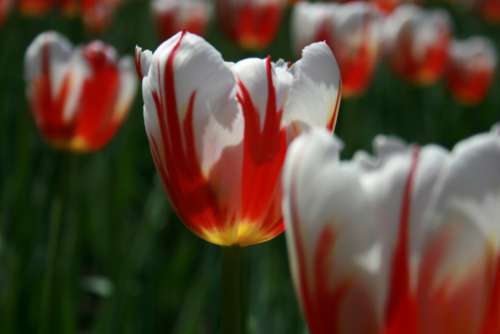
{"x": 78, "y": 97}
{"x": 35, "y": 7}
{"x": 352, "y": 30}
{"x": 176, "y": 15}
{"x": 388, "y": 6}
{"x": 97, "y": 14}
{"x": 490, "y": 10}
{"x": 5, "y": 7}
{"x": 406, "y": 242}
{"x": 252, "y": 24}
{"x": 471, "y": 69}
{"x": 416, "y": 43}
{"x": 219, "y": 131}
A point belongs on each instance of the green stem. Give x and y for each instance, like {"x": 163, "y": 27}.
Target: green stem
{"x": 232, "y": 300}
{"x": 57, "y": 218}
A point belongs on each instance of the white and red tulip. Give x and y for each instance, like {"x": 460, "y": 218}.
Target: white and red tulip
{"x": 219, "y": 131}
{"x": 471, "y": 69}
{"x": 416, "y": 43}
{"x": 173, "y": 16}
{"x": 406, "y": 242}
{"x": 352, "y": 30}
{"x": 252, "y": 24}
{"x": 78, "y": 96}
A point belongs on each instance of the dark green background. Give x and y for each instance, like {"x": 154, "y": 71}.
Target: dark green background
{"x": 125, "y": 264}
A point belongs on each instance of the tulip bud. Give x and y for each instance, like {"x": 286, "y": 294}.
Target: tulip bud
{"x": 352, "y": 30}
{"x": 219, "y": 131}
{"x": 471, "y": 69}
{"x": 252, "y": 24}
{"x": 416, "y": 43}
{"x": 173, "y": 16}
{"x": 78, "y": 97}
{"x": 403, "y": 242}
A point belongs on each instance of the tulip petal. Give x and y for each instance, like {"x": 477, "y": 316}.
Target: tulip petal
{"x": 314, "y": 97}
{"x": 197, "y": 69}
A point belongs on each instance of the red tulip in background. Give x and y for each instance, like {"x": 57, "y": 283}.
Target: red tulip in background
{"x": 403, "y": 242}
{"x": 252, "y": 24}
{"x": 416, "y": 43}
{"x": 79, "y": 97}
{"x": 219, "y": 131}
{"x": 352, "y": 30}
{"x": 490, "y": 10}
{"x": 5, "y": 7}
{"x": 471, "y": 69}
{"x": 173, "y": 16}
{"x": 96, "y": 14}
{"x": 35, "y": 7}
{"x": 388, "y": 6}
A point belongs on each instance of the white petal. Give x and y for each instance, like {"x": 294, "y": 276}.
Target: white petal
{"x": 127, "y": 88}
{"x": 198, "y": 69}
{"x": 472, "y": 176}
{"x": 307, "y": 19}
{"x": 314, "y": 97}
{"x": 59, "y": 54}
{"x": 320, "y": 192}
{"x": 253, "y": 74}
{"x": 142, "y": 61}
{"x": 473, "y": 52}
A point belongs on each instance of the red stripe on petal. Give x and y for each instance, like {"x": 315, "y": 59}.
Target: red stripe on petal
{"x": 263, "y": 157}
{"x": 48, "y": 106}
{"x": 302, "y": 284}
{"x": 401, "y": 306}
{"x": 491, "y": 323}
{"x": 177, "y": 161}
{"x": 96, "y": 106}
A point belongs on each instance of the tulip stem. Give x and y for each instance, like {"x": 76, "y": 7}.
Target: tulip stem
{"x": 57, "y": 218}
{"x": 232, "y": 299}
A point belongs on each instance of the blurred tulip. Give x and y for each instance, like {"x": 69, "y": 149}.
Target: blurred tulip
{"x": 416, "y": 43}
{"x": 490, "y": 10}
{"x": 253, "y": 24}
{"x": 35, "y": 7}
{"x": 173, "y": 16}
{"x": 407, "y": 242}
{"x": 471, "y": 69}
{"x": 5, "y": 7}
{"x": 79, "y": 97}
{"x": 352, "y": 30}
{"x": 97, "y": 14}
{"x": 388, "y": 6}
{"x": 219, "y": 131}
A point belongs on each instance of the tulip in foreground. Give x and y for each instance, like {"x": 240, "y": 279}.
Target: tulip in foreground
{"x": 406, "y": 242}
{"x": 352, "y": 30}
{"x": 252, "y": 24}
{"x": 219, "y": 131}
{"x": 416, "y": 42}
{"x": 78, "y": 96}
{"x": 471, "y": 69}
{"x": 173, "y": 16}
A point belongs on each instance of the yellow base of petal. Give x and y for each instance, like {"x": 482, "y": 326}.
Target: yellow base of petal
{"x": 243, "y": 233}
